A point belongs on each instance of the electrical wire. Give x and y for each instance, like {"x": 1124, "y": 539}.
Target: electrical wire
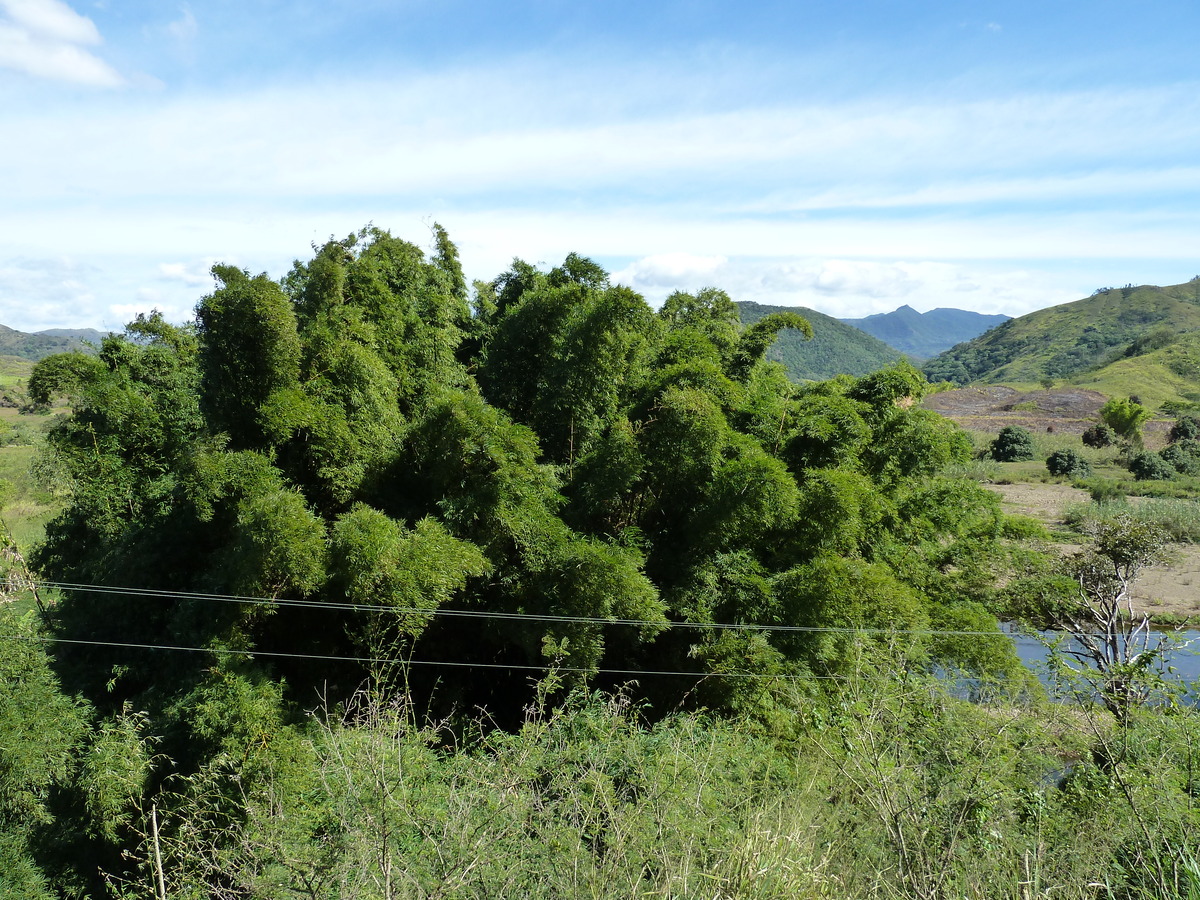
{"x": 368, "y": 660}
{"x": 492, "y": 614}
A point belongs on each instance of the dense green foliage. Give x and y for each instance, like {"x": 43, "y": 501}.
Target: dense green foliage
{"x": 1125, "y": 416}
{"x": 1099, "y": 436}
{"x": 1186, "y": 428}
{"x": 502, "y": 499}
{"x": 359, "y": 434}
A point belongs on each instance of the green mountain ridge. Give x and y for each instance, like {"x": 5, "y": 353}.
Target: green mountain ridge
{"x": 835, "y": 349}
{"x": 1141, "y": 340}
{"x": 41, "y": 344}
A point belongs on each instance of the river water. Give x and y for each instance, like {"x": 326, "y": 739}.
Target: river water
{"x": 1183, "y": 657}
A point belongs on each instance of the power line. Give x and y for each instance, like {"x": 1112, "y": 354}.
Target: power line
{"x": 365, "y": 660}
{"x": 506, "y": 616}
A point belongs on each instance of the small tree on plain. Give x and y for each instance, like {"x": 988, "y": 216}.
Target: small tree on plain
{"x": 1125, "y": 417}
{"x": 1186, "y": 428}
{"x": 1107, "y": 642}
{"x": 1099, "y": 436}
{"x": 1069, "y": 463}
{"x": 1012, "y": 444}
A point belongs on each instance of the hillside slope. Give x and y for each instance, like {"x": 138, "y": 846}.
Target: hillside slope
{"x": 835, "y": 349}
{"x": 1076, "y": 339}
{"x": 1165, "y": 374}
{"x": 926, "y": 334}
{"x": 44, "y": 343}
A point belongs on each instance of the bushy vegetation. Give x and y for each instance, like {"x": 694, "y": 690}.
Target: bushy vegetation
{"x": 1012, "y": 444}
{"x": 1186, "y": 428}
{"x": 1068, "y": 463}
{"x": 1179, "y": 519}
{"x": 891, "y": 787}
{"x": 374, "y": 584}
{"x": 1125, "y": 416}
{"x": 361, "y": 434}
{"x": 1099, "y": 436}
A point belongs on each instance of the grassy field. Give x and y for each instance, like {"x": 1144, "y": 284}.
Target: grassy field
{"x": 1170, "y": 591}
{"x": 27, "y": 505}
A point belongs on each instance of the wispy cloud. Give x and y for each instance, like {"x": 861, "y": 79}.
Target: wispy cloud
{"x": 47, "y": 39}
{"x": 672, "y": 271}
{"x": 193, "y": 274}
{"x": 851, "y": 206}
{"x": 49, "y": 291}
{"x": 373, "y": 139}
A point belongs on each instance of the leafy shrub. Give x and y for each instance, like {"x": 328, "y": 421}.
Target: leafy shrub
{"x": 1068, "y": 463}
{"x": 1147, "y": 466}
{"x": 1183, "y": 456}
{"x": 1188, "y": 405}
{"x": 1186, "y": 428}
{"x": 1012, "y": 444}
{"x": 1099, "y": 435}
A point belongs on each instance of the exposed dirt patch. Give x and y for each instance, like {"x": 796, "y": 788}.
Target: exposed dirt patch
{"x": 1171, "y": 588}
{"x": 1044, "y": 502}
{"x": 991, "y": 407}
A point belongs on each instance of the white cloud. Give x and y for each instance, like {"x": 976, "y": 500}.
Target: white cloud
{"x": 44, "y": 293}
{"x": 765, "y": 202}
{"x": 46, "y": 39}
{"x": 51, "y": 19}
{"x": 194, "y": 274}
{"x": 434, "y": 138}
{"x": 675, "y": 271}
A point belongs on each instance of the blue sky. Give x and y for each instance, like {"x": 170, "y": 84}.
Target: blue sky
{"x": 850, "y": 157}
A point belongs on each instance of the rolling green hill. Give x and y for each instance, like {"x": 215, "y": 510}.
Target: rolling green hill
{"x": 1142, "y": 340}
{"x": 44, "y": 343}
{"x": 835, "y": 349}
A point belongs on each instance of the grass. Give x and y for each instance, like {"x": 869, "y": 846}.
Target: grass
{"x": 1179, "y": 518}
{"x": 894, "y": 789}
{"x": 27, "y": 505}
{"x": 1109, "y": 477}
{"x": 14, "y": 371}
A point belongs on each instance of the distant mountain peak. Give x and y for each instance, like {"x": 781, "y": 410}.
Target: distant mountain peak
{"x": 923, "y": 335}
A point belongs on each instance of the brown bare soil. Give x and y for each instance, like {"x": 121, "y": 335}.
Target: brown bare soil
{"x": 1172, "y": 588}
{"x": 991, "y": 407}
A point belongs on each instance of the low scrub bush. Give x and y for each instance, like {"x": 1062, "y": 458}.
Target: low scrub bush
{"x": 1099, "y": 436}
{"x": 1186, "y": 428}
{"x": 1183, "y": 456}
{"x": 1106, "y": 490}
{"x": 1148, "y": 466}
{"x": 1068, "y": 463}
{"x": 1012, "y": 444}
